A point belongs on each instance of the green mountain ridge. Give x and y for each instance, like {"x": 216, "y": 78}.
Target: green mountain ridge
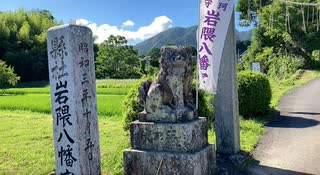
{"x": 180, "y": 36}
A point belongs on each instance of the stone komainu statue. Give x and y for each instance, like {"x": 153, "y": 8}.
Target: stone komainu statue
{"x": 169, "y": 97}
{"x": 162, "y": 142}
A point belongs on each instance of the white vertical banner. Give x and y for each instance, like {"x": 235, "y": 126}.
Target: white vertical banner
{"x": 214, "y": 19}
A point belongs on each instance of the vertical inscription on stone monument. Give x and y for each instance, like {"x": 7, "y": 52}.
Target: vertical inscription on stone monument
{"x": 86, "y": 96}
{"x": 73, "y": 97}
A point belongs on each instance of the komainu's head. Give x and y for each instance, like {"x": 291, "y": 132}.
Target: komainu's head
{"x": 175, "y": 56}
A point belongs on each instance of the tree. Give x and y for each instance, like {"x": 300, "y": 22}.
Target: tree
{"x": 7, "y": 76}
{"x": 23, "y": 42}
{"x": 154, "y": 55}
{"x": 242, "y": 46}
{"x": 279, "y": 31}
{"x": 116, "y": 59}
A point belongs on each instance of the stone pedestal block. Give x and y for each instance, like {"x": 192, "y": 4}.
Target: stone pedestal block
{"x": 169, "y": 148}
{"x": 177, "y": 137}
{"x": 137, "y": 162}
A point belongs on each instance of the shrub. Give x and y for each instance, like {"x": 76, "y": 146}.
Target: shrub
{"x": 254, "y": 94}
{"x": 284, "y": 66}
{"x": 205, "y": 108}
{"x": 131, "y": 106}
{"x": 315, "y": 59}
{"x": 7, "y": 76}
{"x": 152, "y": 71}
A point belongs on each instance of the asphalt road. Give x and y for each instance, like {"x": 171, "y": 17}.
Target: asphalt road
{"x": 292, "y": 143}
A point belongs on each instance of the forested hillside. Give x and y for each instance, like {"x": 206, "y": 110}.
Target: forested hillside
{"x": 181, "y": 36}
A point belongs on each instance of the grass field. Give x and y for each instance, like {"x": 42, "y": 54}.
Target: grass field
{"x": 46, "y": 90}
{"x": 113, "y": 83}
{"x": 105, "y": 83}
{"x": 26, "y": 145}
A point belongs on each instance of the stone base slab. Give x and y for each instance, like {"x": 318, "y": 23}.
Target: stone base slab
{"x": 175, "y": 137}
{"x": 138, "y": 162}
{"x": 169, "y": 118}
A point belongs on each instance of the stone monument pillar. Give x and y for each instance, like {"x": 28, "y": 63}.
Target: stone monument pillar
{"x": 226, "y": 107}
{"x": 73, "y": 99}
{"x": 169, "y": 137}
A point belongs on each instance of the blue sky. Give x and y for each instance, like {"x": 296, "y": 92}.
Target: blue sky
{"x": 138, "y": 19}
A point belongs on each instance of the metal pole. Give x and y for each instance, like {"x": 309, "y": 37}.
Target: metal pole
{"x": 197, "y": 81}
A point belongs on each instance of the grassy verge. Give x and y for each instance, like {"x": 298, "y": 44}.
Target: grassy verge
{"x": 281, "y": 87}
{"x": 250, "y": 132}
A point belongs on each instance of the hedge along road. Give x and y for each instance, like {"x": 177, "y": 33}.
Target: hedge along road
{"x": 292, "y": 143}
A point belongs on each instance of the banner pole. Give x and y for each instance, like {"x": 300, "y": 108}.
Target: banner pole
{"x": 197, "y": 78}
{"x": 197, "y": 85}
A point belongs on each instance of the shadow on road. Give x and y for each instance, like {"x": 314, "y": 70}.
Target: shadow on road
{"x": 256, "y": 169}
{"x": 266, "y": 170}
{"x": 292, "y": 122}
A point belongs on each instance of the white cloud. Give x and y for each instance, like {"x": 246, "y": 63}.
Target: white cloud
{"x": 82, "y": 22}
{"x": 128, "y": 23}
{"x": 103, "y": 31}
